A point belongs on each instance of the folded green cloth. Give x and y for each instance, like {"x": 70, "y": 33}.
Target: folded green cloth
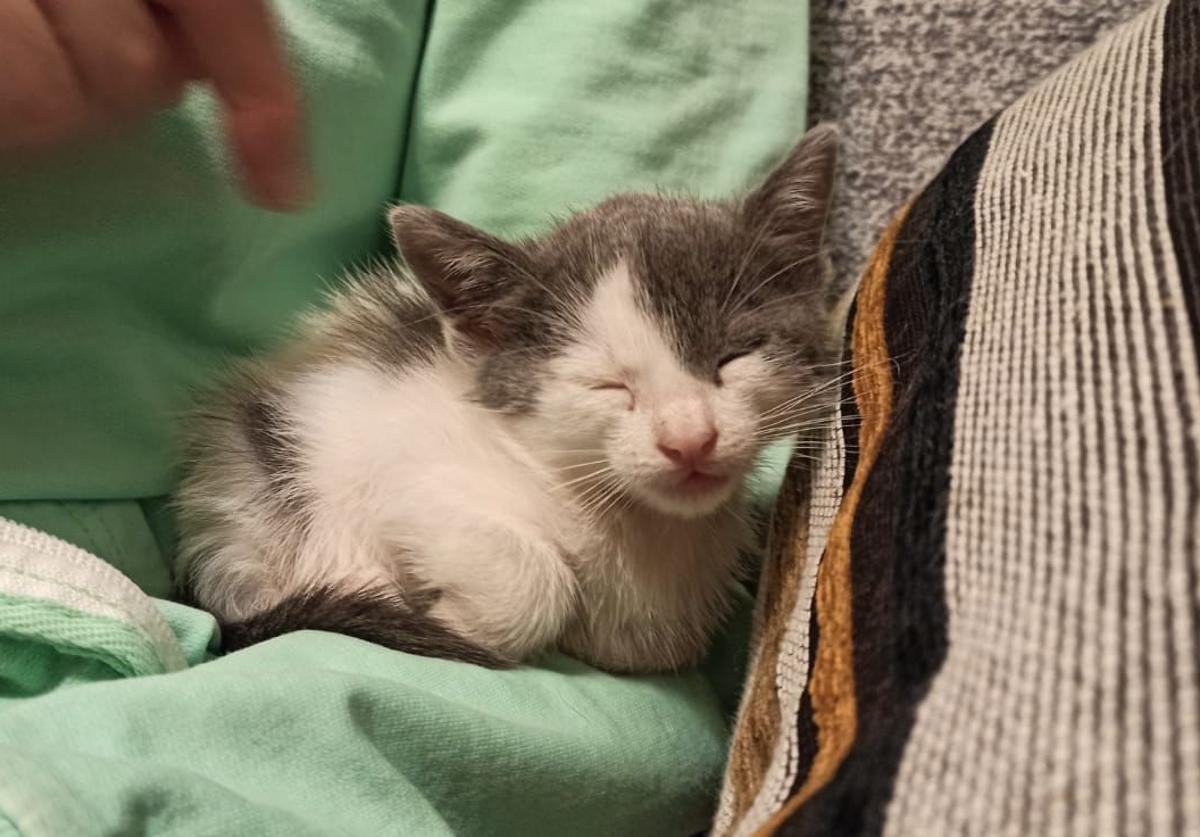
{"x": 314, "y": 733}
{"x": 129, "y": 269}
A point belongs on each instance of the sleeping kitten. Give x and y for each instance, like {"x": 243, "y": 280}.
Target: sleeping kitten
{"x": 534, "y": 444}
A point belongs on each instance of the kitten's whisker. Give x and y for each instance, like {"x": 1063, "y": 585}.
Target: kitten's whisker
{"x": 807, "y": 457}
{"x": 615, "y": 497}
{"x": 824, "y": 387}
{"x": 601, "y": 476}
{"x": 597, "y": 496}
{"x": 751, "y": 251}
{"x": 583, "y": 477}
{"x": 831, "y": 415}
{"x": 802, "y": 424}
{"x": 811, "y": 394}
{"x": 814, "y": 417}
{"x": 808, "y": 403}
{"x": 793, "y": 427}
{"x": 800, "y": 409}
{"x": 586, "y": 478}
{"x": 822, "y": 419}
{"x": 818, "y": 448}
{"x": 787, "y": 267}
{"x": 588, "y": 510}
{"x": 813, "y": 391}
{"x": 578, "y": 465}
{"x": 586, "y": 513}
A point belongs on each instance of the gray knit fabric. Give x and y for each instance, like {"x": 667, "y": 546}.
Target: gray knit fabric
{"x": 907, "y": 80}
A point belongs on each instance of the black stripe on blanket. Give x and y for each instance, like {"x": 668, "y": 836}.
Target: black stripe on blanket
{"x": 897, "y": 546}
{"x": 1180, "y": 119}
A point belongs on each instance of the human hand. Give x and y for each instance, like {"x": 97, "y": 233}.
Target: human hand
{"x": 73, "y": 67}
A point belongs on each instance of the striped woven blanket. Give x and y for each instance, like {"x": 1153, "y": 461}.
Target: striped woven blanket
{"x": 981, "y": 614}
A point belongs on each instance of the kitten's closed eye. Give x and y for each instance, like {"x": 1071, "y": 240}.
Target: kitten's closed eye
{"x": 740, "y": 352}
{"x": 737, "y": 354}
{"x": 618, "y": 388}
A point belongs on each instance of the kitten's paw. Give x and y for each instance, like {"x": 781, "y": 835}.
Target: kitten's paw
{"x": 514, "y": 594}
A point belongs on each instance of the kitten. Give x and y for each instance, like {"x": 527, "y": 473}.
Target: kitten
{"x": 534, "y": 444}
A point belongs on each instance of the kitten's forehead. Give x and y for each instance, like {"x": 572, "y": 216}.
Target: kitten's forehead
{"x": 683, "y": 263}
{"x": 618, "y": 324}
{"x": 679, "y": 257}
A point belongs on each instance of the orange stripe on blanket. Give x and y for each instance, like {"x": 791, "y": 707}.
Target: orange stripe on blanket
{"x": 831, "y": 683}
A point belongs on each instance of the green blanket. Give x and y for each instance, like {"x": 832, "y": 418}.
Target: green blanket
{"x": 130, "y": 269}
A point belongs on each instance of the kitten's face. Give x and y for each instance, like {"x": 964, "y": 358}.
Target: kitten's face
{"x": 649, "y": 349}
{"x": 671, "y": 377}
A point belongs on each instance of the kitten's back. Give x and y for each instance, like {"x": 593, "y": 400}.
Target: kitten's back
{"x": 249, "y": 503}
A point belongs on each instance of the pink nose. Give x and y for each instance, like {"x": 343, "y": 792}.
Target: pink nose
{"x": 690, "y": 449}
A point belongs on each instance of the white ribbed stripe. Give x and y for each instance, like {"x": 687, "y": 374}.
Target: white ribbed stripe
{"x": 1184, "y": 603}
{"x": 1068, "y": 700}
{"x": 1075, "y": 394}
{"x": 1156, "y": 363}
{"x": 1107, "y": 474}
{"x": 792, "y": 670}
{"x": 35, "y": 565}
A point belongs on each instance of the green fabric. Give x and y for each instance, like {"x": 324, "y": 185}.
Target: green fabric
{"x": 534, "y": 107}
{"x": 128, "y": 270}
{"x": 321, "y": 734}
{"x": 45, "y": 645}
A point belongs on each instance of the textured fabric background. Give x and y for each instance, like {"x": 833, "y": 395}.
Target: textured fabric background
{"x": 1068, "y": 701}
{"x": 1003, "y": 634}
{"x": 527, "y": 109}
{"x": 908, "y": 81}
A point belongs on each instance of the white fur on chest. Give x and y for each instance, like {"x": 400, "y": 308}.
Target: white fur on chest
{"x": 654, "y": 589}
{"x": 413, "y": 482}
{"x": 412, "y": 479}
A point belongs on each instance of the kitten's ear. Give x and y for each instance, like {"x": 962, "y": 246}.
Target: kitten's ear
{"x": 465, "y": 270}
{"x": 791, "y": 206}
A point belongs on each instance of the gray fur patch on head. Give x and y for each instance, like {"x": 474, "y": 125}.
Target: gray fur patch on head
{"x": 720, "y": 278}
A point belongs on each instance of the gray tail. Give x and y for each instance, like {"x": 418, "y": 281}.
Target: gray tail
{"x": 374, "y": 615}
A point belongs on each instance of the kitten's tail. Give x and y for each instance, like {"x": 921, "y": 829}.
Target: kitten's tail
{"x": 372, "y": 614}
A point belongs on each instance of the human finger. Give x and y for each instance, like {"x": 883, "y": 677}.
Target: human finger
{"x": 122, "y": 62}
{"x": 235, "y": 46}
{"x": 40, "y": 99}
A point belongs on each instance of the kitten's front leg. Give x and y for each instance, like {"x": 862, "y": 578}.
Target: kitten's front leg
{"x": 505, "y": 586}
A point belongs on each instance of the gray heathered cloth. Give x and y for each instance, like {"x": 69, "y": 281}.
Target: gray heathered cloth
{"x": 907, "y": 81}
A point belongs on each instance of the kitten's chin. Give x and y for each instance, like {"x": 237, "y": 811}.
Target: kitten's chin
{"x": 699, "y": 496}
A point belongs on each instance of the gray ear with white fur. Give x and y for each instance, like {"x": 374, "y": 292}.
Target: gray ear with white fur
{"x": 791, "y": 207}
{"x": 466, "y": 272}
